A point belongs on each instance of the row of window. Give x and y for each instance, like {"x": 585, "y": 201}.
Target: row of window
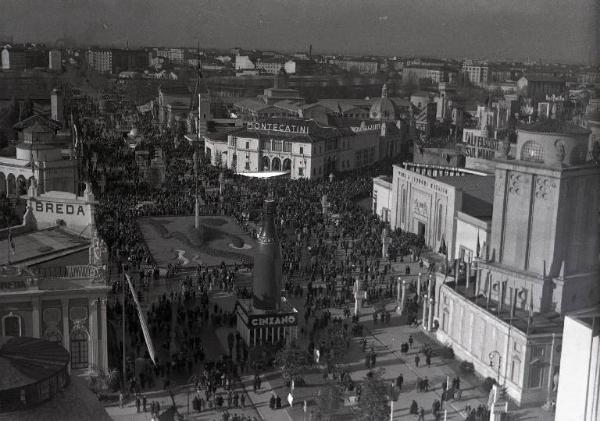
{"x": 276, "y": 146}
{"x": 364, "y": 157}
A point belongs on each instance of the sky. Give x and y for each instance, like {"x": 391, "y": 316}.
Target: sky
{"x": 551, "y": 30}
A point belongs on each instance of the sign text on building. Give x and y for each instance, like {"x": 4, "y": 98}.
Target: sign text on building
{"x": 276, "y": 127}
{"x": 59, "y": 208}
{"x": 273, "y": 321}
{"x": 370, "y": 127}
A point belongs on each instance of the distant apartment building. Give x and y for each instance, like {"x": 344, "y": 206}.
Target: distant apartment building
{"x": 13, "y": 58}
{"x": 588, "y": 76}
{"x": 476, "y": 72}
{"x": 503, "y": 73}
{"x": 116, "y": 60}
{"x": 99, "y": 60}
{"x": 362, "y": 66}
{"x": 270, "y": 65}
{"x": 435, "y": 74}
{"x": 54, "y": 60}
{"x": 174, "y": 55}
{"x": 299, "y": 67}
{"x": 537, "y": 89}
{"x": 243, "y": 63}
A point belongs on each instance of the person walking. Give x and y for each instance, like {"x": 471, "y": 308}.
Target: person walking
{"x": 417, "y": 360}
{"x": 120, "y": 399}
{"x": 421, "y": 414}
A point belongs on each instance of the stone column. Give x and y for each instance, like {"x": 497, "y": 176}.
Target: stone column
{"x": 66, "y": 328}
{"x": 430, "y": 319}
{"x": 93, "y": 329}
{"x": 430, "y": 286}
{"x": 468, "y": 274}
{"x": 35, "y": 317}
{"x": 419, "y": 285}
{"x": 425, "y": 301}
{"x": 103, "y": 362}
{"x": 456, "y": 271}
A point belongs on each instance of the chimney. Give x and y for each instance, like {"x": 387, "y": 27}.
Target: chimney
{"x": 266, "y": 288}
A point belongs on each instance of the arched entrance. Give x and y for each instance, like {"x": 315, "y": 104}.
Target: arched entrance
{"x": 21, "y": 185}
{"x": 79, "y": 349}
{"x": 287, "y": 164}
{"x": 266, "y": 164}
{"x": 11, "y": 325}
{"x": 276, "y": 164}
{"x": 11, "y": 185}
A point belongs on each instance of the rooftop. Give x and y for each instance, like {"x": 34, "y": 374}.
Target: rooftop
{"x": 33, "y": 245}
{"x": 554, "y": 126}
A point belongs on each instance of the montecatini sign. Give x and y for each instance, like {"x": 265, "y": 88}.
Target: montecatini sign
{"x": 273, "y": 321}
{"x": 277, "y": 127}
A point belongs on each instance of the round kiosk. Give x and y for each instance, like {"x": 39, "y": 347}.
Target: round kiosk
{"x": 33, "y": 371}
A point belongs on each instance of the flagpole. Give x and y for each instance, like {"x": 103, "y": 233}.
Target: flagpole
{"x": 123, "y": 318}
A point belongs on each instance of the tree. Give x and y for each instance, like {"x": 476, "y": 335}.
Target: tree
{"x": 292, "y": 361}
{"x": 337, "y": 348}
{"x": 373, "y": 402}
{"x": 329, "y": 401}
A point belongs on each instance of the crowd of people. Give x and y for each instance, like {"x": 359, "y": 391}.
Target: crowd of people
{"x": 325, "y": 250}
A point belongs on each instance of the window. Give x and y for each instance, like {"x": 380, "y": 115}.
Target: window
{"x": 532, "y": 151}
{"x": 301, "y": 150}
{"x": 232, "y": 141}
{"x": 287, "y": 146}
{"x": 265, "y": 145}
{"x": 247, "y": 145}
{"x": 515, "y": 370}
{"x": 277, "y": 145}
{"x": 301, "y": 172}
{"x": 536, "y": 366}
{"x": 247, "y": 167}
{"x": 79, "y": 349}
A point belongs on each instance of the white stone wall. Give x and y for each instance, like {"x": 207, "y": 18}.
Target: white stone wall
{"x": 579, "y": 373}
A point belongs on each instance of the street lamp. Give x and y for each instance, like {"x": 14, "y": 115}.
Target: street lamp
{"x": 492, "y": 355}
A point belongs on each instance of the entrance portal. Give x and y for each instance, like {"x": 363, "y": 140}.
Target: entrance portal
{"x": 421, "y": 229}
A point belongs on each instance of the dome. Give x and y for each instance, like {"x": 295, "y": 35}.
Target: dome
{"x": 383, "y": 108}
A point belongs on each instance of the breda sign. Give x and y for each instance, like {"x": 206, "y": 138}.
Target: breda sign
{"x": 274, "y": 321}
{"x": 59, "y": 208}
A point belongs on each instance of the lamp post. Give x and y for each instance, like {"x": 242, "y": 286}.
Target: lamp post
{"x": 492, "y": 355}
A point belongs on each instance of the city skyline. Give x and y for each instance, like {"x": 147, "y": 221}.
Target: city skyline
{"x": 452, "y": 29}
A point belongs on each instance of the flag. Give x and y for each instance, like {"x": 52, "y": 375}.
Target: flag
{"x": 478, "y": 249}
{"x": 11, "y": 242}
{"x": 145, "y": 330}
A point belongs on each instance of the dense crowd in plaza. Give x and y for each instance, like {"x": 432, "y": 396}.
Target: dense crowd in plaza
{"x": 324, "y": 253}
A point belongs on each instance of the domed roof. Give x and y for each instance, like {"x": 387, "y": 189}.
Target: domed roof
{"x": 383, "y": 108}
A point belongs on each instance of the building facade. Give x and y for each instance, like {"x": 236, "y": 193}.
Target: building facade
{"x": 541, "y": 261}
{"x": 305, "y": 148}
{"x": 476, "y": 72}
{"x": 57, "y": 293}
